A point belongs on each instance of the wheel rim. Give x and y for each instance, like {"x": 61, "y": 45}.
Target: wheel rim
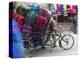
{"x": 67, "y": 42}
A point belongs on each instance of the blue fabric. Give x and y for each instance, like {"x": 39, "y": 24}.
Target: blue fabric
{"x": 52, "y": 8}
{"x": 62, "y": 9}
{"x": 31, "y": 17}
{"x": 35, "y": 7}
{"x": 18, "y": 48}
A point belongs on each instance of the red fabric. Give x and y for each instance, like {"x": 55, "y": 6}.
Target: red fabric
{"x": 19, "y": 19}
{"x": 21, "y": 23}
{"x": 40, "y": 23}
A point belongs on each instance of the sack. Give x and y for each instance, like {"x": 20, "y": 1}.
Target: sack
{"x": 22, "y": 11}
{"x": 27, "y": 29}
{"x": 44, "y": 13}
{"x": 19, "y": 19}
{"x": 35, "y": 7}
{"x": 30, "y": 18}
{"x": 40, "y": 23}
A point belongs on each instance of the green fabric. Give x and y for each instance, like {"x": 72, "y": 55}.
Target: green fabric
{"x": 22, "y": 11}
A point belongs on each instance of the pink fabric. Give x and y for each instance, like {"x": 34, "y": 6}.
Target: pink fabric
{"x": 58, "y": 7}
{"x": 72, "y": 9}
{"x": 44, "y": 13}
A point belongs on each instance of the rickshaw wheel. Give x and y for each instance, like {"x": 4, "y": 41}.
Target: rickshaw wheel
{"x": 67, "y": 42}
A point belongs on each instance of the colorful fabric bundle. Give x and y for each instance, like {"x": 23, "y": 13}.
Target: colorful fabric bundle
{"x": 22, "y": 11}
{"x": 40, "y": 26}
{"x": 52, "y": 8}
{"x": 62, "y": 9}
{"x": 35, "y": 21}
{"x": 30, "y": 18}
{"x": 35, "y": 7}
{"x": 45, "y": 13}
{"x": 40, "y": 23}
{"x": 58, "y": 8}
{"x": 32, "y": 14}
{"x": 19, "y": 19}
{"x": 72, "y": 10}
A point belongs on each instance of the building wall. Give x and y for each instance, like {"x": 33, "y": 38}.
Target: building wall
{"x": 66, "y": 26}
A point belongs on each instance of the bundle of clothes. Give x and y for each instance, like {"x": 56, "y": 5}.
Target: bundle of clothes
{"x": 33, "y": 21}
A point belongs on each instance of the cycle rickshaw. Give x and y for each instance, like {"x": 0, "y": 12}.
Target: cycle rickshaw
{"x": 66, "y": 41}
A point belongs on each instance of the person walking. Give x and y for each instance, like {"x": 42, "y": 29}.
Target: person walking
{"x": 75, "y": 24}
{"x": 51, "y": 31}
